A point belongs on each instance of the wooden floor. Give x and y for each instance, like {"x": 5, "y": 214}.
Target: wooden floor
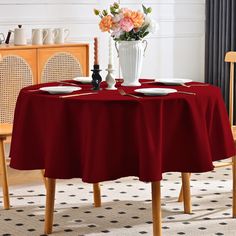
{"x": 19, "y": 177}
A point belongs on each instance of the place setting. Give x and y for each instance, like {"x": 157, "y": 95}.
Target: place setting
{"x": 160, "y": 91}
{"x": 64, "y": 90}
{"x": 60, "y": 89}
{"x": 175, "y": 82}
{"x": 166, "y": 90}
{"x": 83, "y": 79}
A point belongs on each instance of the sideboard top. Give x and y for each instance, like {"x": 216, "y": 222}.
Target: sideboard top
{"x": 30, "y": 46}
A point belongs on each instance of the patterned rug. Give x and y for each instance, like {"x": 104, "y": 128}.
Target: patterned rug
{"x": 126, "y": 208}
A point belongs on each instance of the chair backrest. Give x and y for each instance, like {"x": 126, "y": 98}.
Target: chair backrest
{"x": 15, "y": 73}
{"x": 231, "y": 57}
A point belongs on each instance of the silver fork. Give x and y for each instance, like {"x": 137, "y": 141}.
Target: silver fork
{"x": 123, "y": 93}
{"x": 196, "y": 85}
{"x": 190, "y": 93}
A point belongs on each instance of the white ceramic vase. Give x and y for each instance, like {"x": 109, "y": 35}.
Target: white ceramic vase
{"x": 131, "y": 59}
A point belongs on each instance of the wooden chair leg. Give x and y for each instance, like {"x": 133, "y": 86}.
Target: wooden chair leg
{"x": 181, "y": 198}
{"x": 6, "y": 201}
{"x": 44, "y": 178}
{"x": 234, "y": 186}
{"x": 50, "y": 198}
{"x": 186, "y": 192}
{"x": 156, "y": 208}
{"x": 97, "y": 195}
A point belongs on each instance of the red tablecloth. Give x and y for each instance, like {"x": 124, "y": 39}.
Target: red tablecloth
{"x": 107, "y": 136}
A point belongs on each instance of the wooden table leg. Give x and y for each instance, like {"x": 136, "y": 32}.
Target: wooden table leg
{"x": 186, "y": 192}
{"x": 234, "y": 186}
{"x": 156, "y": 208}
{"x": 97, "y": 195}
{"x": 50, "y": 198}
{"x": 6, "y": 201}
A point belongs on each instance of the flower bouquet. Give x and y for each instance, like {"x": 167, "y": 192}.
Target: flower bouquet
{"x": 125, "y": 24}
{"x": 128, "y": 28}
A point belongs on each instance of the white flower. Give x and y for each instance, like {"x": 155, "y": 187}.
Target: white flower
{"x": 117, "y": 17}
{"x": 116, "y": 31}
{"x": 153, "y": 26}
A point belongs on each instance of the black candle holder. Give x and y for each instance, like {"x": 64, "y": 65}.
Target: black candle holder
{"x": 96, "y": 77}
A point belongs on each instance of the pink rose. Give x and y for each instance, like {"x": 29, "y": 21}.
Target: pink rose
{"x": 126, "y": 24}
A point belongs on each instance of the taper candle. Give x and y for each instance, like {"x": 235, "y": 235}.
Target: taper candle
{"x": 110, "y": 58}
{"x": 96, "y": 51}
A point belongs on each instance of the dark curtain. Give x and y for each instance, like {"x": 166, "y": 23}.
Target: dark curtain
{"x": 220, "y": 38}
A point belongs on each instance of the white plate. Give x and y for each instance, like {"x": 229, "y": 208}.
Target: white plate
{"x": 60, "y": 89}
{"x": 173, "y": 81}
{"x": 155, "y": 91}
{"x": 83, "y": 80}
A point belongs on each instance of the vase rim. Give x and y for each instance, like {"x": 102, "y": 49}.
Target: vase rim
{"x": 133, "y": 41}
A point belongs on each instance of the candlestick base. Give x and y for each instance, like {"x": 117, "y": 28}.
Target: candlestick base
{"x": 110, "y": 78}
{"x": 96, "y": 77}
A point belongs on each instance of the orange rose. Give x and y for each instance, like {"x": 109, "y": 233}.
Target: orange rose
{"x": 106, "y": 23}
{"x": 137, "y": 18}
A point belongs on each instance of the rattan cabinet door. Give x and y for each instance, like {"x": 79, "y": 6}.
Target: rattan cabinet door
{"x": 17, "y": 70}
{"x": 62, "y": 63}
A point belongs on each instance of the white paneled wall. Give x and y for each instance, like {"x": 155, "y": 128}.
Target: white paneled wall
{"x": 176, "y": 50}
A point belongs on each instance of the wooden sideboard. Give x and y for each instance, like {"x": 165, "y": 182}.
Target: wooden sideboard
{"x": 21, "y": 66}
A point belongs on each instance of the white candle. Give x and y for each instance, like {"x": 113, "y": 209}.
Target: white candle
{"x": 110, "y": 58}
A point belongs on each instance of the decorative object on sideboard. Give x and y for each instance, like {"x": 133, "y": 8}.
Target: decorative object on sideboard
{"x": 49, "y": 35}
{"x": 2, "y": 38}
{"x": 96, "y": 77}
{"x": 128, "y": 28}
{"x": 8, "y": 37}
{"x": 61, "y": 35}
{"x": 110, "y": 77}
{"x": 20, "y": 36}
{"x": 38, "y": 37}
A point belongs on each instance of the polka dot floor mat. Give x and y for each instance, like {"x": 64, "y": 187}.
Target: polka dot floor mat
{"x": 126, "y": 208}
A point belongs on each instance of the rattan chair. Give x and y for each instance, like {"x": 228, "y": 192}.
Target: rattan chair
{"x": 5, "y": 132}
{"x": 231, "y": 58}
{"x": 16, "y": 73}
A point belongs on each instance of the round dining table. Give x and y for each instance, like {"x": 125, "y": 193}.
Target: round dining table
{"x": 103, "y": 135}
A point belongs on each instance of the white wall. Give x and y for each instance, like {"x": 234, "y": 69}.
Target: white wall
{"x": 176, "y": 50}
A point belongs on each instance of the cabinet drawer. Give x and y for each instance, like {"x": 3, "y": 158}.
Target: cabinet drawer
{"x": 55, "y": 64}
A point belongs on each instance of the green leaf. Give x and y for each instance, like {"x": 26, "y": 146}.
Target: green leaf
{"x": 149, "y": 10}
{"x": 144, "y": 9}
{"x": 104, "y": 12}
{"x": 113, "y": 10}
{"x": 116, "y": 5}
{"x": 143, "y": 29}
{"x": 96, "y": 12}
{"x": 145, "y": 34}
